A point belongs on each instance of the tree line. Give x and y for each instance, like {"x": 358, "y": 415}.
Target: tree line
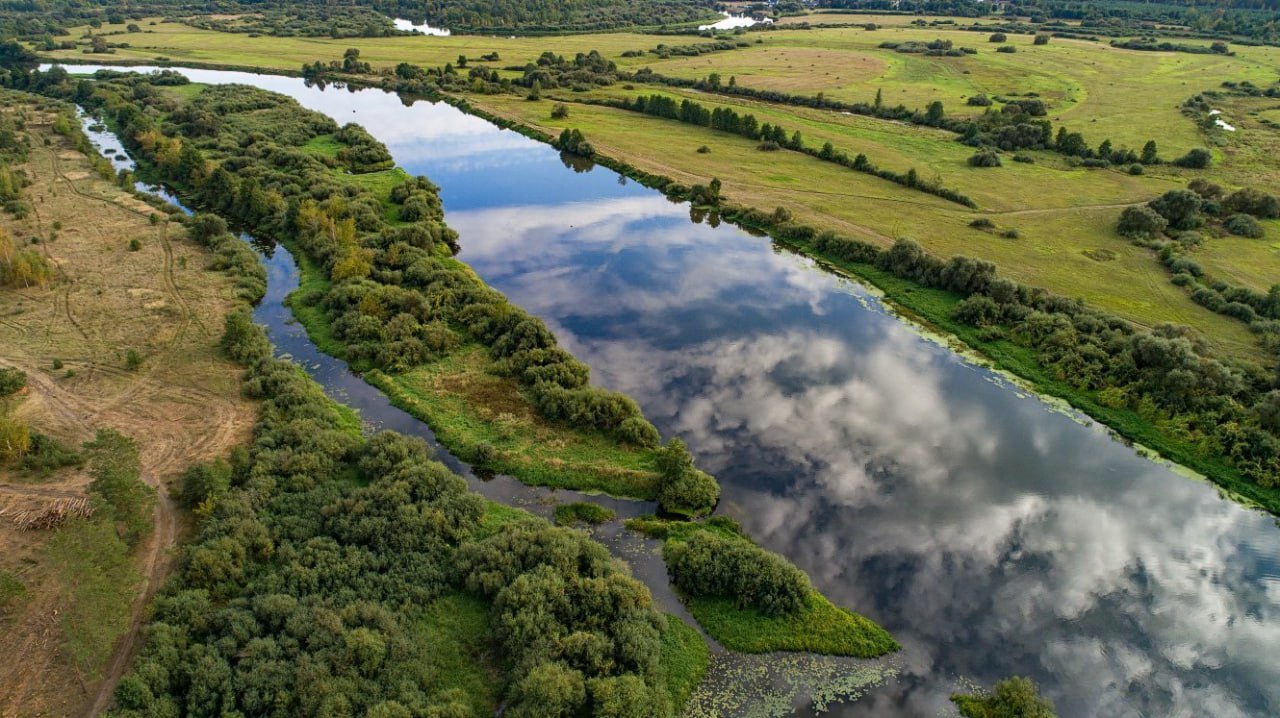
{"x": 1178, "y": 222}
{"x": 512, "y": 17}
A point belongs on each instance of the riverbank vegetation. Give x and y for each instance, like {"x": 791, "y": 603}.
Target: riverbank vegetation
{"x": 1014, "y": 697}
{"x": 311, "y": 527}
{"x": 752, "y": 600}
{"x": 382, "y": 289}
{"x": 1103, "y": 364}
{"x": 403, "y": 280}
{"x": 321, "y": 568}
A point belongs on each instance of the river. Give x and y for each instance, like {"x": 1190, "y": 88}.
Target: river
{"x": 991, "y": 533}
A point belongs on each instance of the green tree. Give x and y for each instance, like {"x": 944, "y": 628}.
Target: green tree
{"x": 1150, "y": 153}
{"x": 1014, "y": 697}
{"x": 117, "y": 483}
{"x": 202, "y": 482}
{"x": 1180, "y": 207}
{"x": 1197, "y": 158}
{"x": 13, "y": 56}
{"x": 935, "y": 114}
{"x": 1140, "y": 222}
{"x": 552, "y": 690}
{"x": 682, "y": 488}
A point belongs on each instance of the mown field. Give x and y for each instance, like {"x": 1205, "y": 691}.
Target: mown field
{"x": 68, "y": 596}
{"x": 1064, "y": 215}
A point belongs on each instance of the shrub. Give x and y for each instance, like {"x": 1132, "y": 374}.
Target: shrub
{"x": 46, "y": 454}
{"x": 978, "y": 101}
{"x": 1015, "y": 697}
{"x": 133, "y": 360}
{"x": 997, "y": 37}
{"x": 1180, "y": 207}
{"x": 703, "y": 150}
{"x": 484, "y": 453}
{"x": 135, "y": 245}
{"x": 1253, "y": 202}
{"x": 202, "y": 482}
{"x": 982, "y": 223}
{"x": 1141, "y": 222}
{"x": 1006, "y": 48}
{"x": 559, "y": 111}
{"x": 984, "y": 158}
{"x": 1010, "y": 234}
{"x": 243, "y": 340}
{"x": 1041, "y": 40}
{"x": 1243, "y": 225}
{"x": 683, "y": 489}
{"x": 712, "y": 566}
{"x": 1182, "y": 265}
{"x": 582, "y": 512}
{"x": 1136, "y": 169}
{"x": 1205, "y": 188}
{"x": 977, "y": 310}
{"x": 12, "y": 381}
{"x": 769, "y": 146}
{"x": 639, "y": 431}
{"x": 1198, "y": 158}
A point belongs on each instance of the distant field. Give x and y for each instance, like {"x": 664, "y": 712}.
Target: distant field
{"x": 1125, "y": 95}
{"x": 1050, "y": 251}
{"x": 1064, "y": 215}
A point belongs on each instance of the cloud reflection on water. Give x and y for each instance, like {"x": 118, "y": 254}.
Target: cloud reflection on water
{"x": 992, "y": 535}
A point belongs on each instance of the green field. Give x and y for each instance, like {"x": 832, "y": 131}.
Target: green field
{"x": 1052, "y": 250}
{"x": 481, "y": 418}
{"x": 1125, "y": 95}
{"x": 1064, "y": 215}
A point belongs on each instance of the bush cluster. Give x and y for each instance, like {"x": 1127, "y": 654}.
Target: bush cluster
{"x": 709, "y": 565}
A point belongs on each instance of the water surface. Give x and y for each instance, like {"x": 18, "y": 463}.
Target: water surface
{"x": 731, "y": 22}
{"x": 423, "y": 29}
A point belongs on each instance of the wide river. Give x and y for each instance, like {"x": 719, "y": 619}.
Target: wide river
{"x": 992, "y": 534}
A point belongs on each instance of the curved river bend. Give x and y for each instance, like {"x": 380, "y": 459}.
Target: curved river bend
{"x": 991, "y": 534}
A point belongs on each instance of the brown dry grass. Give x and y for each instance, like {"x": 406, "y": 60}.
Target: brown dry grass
{"x": 183, "y": 405}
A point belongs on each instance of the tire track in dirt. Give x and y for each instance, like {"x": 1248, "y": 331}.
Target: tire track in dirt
{"x": 189, "y": 316}
{"x": 66, "y": 295}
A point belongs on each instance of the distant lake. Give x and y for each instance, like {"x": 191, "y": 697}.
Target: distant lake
{"x": 423, "y": 29}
